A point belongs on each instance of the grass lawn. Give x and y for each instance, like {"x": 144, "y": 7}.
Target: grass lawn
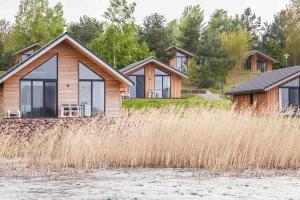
{"x": 186, "y": 101}
{"x": 2, "y": 72}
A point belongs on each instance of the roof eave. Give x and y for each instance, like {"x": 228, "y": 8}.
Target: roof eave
{"x": 245, "y": 92}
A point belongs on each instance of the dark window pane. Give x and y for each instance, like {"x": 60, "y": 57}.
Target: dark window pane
{"x": 26, "y": 98}
{"x": 98, "y": 97}
{"x": 166, "y": 86}
{"x": 86, "y": 73}
{"x": 140, "y": 86}
{"x": 37, "y": 99}
{"x": 294, "y": 96}
{"x": 50, "y": 99}
{"x": 85, "y": 97}
{"x": 47, "y": 70}
{"x": 261, "y": 65}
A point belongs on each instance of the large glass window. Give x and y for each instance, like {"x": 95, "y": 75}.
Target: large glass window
{"x": 289, "y": 94}
{"x": 181, "y": 62}
{"x": 47, "y": 70}
{"x": 138, "y": 88}
{"x": 39, "y": 90}
{"x": 162, "y": 84}
{"x": 91, "y": 91}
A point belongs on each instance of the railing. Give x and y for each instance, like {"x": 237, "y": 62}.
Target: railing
{"x": 193, "y": 91}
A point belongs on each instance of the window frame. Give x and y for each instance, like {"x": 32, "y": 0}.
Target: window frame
{"x": 91, "y": 81}
{"x": 181, "y": 57}
{"x": 162, "y": 83}
{"x": 289, "y": 93}
{"x": 139, "y": 75}
{"x": 39, "y": 80}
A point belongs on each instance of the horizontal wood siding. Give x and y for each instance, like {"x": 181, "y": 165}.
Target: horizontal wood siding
{"x": 68, "y": 58}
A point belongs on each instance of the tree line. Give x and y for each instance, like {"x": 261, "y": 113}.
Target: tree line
{"x": 218, "y": 44}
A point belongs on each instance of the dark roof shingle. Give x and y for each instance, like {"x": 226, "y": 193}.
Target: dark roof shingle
{"x": 267, "y": 79}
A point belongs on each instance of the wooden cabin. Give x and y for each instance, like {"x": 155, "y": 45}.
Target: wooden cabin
{"x": 271, "y": 92}
{"x": 62, "y": 79}
{"x": 152, "y": 79}
{"x": 25, "y": 53}
{"x": 257, "y": 61}
{"x": 180, "y": 58}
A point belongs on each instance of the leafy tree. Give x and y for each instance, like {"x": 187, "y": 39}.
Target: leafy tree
{"x": 86, "y": 29}
{"x": 120, "y": 13}
{"x": 173, "y": 29}
{"x": 252, "y": 24}
{"x": 220, "y": 22}
{"x": 293, "y": 30}
{"x": 155, "y": 33}
{"x": 120, "y": 44}
{"x": 36, "y": 22}
{"x": 237, "y": 43}
{"x": 5, "y": 29}
{"x": 214, "y": 61}
{"x": 274, "y": 38}
{"x": 190, "y": 26}
{"x": 121, "y": 48}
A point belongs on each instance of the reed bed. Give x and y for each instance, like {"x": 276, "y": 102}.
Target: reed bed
{"x": 173, "y": 137}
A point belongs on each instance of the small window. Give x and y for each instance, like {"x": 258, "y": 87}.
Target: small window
{"x": 181, "y": 62}
{"x": 261, "y": 66}
{"x": 47, "y": 70}
{"x": 86, "y": 74}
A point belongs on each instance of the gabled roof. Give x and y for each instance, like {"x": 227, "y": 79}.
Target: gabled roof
{"x": 181, "y": 50}
{"x": 141, "y": 63}
{"x": 266, "y": 81}
{"x": 27, "y": 48}
{"x": 82, "y": 48}
{"x": 252, "y": 52}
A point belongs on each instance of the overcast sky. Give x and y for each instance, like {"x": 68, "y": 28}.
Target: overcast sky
{"x": 171, "y": 9}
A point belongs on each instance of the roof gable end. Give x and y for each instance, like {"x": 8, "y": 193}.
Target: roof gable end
{"x": 139, "y": 64}
{"x": 119, "y": 76}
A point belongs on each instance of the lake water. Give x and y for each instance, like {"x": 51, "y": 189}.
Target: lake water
{"x": 147, "y": 184}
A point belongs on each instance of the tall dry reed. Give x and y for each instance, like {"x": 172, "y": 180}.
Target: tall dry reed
{"x": 170, "y": 137}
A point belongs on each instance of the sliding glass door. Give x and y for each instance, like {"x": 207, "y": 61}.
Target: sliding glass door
{"x": 162, "y": 84}
{"x": 91, "y": 91}
{"x": 38, "y": 91}
{"x": 138, "y": 88}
